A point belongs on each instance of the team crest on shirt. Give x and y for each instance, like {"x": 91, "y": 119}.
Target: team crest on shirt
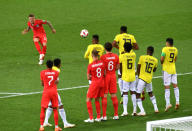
{"x": 37, "y": 26}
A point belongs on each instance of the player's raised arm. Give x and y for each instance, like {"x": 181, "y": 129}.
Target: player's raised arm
{"x": 135, "y": 46}
{"x": 115, "y": 44}
{"x": 25, "y": 31}
{"x": 51, "y": 27}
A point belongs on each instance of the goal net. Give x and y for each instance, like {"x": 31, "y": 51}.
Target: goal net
{"x": 175, "y": 124}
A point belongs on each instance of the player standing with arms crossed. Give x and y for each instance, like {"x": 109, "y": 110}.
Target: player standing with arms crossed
{"x": 146, "y": 66}
{"x": 95, "y": 73}
{"x": 119, "y": 42}
{"x": 168, "y": 59}
{"x": 127, "y": 69}
{"x": 56, "y": 67}
{"x": 111, "y": 62}
{"x": 39, "y": 35}
{"x": 49, "y": 79}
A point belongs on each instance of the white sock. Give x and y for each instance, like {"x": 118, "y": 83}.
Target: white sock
{"x": 48, "y": 114}
{"x": 63, "y": 115}
{"x": 167, "y": 97}
{"x": 140, "y": 105}
{"x": 176, "y": 91}
{"x": 125, "y": 101}
{"x": 120, "y": 82}
{"x": 153, "y": 100}
{"x": 134, "y": 101}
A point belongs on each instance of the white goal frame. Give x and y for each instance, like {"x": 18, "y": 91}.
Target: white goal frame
{"x": 175, "y": 124}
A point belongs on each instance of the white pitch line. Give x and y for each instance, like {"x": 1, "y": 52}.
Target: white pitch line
{"x": 78, "y": 87}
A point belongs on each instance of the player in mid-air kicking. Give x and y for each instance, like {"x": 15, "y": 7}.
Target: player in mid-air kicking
{"x": 168, "y": 59}
{"x": 146, "y": 66}
{"x": 56, "y": 67}
{"x": 127, "y": 69}
{"x": 118, "y": 43}
{"x": 95, "y": 73}
{"x": 49, "y": 79}
{"x": 39, "y": 35}
{"x": 111, "y": 62}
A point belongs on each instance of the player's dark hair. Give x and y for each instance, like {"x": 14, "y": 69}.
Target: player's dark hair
{"x": 57, "y": 62}
{"x": 128, "y": 47}
{"x": 124, "y": 29}
{"x": 108, "y": 46}
{"x": 150, "y": 49}
{"x": 31, "y": 15}
{"x": 95, "y": 53}
{"x": 96, "y": 37}
{"x": 170, "y": 41}
{"x": 49, "y": 64}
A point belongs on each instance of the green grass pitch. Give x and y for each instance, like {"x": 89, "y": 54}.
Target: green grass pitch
{"x": 150, "y": 21}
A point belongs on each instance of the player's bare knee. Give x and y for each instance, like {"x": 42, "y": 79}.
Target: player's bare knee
{"x": 125, "y": 93}
{"x": 36, "y": 39}
{"x": 167, "y": 87}
{"x": 61, "y": 107}
{"x": 133, "y": 92}
{"x": 88, "y": 99}
{"x": 113, "y": 95}
{"x": 105, "y": 96}
{"x": 174, "y": 85}
{"x": 138, "y": 95}
{"x": 150, "y": 94}
{"x": 44, "y": 44}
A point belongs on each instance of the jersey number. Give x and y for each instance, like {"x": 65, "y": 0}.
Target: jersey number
{"x": 98, "y": 72}
{"x": 148, "y": 67}
{"x": 129, "y": 64}
{"x": 172, "y": 57}
{"x": 110, "y": 66}
{"x": 51, "y": 79}
{"x": 127, "y": 40}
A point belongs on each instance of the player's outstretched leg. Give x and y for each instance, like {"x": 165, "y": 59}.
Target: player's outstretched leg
{"x": 104, "y": 107}
{"x": 140, "y": 105}
{"x": 125, "y": 102}
{"x": 90, "y": 111}
{"x": 115, "y": 106}
{"x": 98, "y": 110}
{"x": 153, "y": 100}
{"x": 134, "y": 101}
{"x": 63, "y": 117}
{"x": 47, "y": 116}
{"x": 176, "y": 92}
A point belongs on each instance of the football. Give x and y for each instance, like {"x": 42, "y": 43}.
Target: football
{"x": 84, "y": 33}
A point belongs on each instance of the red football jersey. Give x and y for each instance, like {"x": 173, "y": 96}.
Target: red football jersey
{"x": 110, "y": 60}
{"x": 96, "y": 70}
{"x": 49, "y": 77}
{"x": 37, "y": 27}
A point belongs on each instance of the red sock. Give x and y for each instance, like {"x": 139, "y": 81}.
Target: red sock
{"x": 44, "y": 49}
{"x": 104, "y": 106}
{"x": 115, "y": 105}
{"x": 98, "y": 109}
{"x": 38, "y": 47}
{"x": 42, "y": 116}
{"x": 55, "y": 116}
{"x": 90, "y": 109}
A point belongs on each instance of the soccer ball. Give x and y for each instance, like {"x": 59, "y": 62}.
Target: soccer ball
{"x": 84, "y": 33}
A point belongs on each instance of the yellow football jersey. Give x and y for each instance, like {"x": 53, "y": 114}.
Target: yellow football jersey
{"x": 88, "y": 53}
{"x": 56, "y": 69}
{"x": 169, "y": 62}
{"x": 122, "y": 38}
{"x": 128, "y": 66}
{"x": 148, "y": 63}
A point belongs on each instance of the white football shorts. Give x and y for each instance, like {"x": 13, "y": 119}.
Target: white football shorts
{"x": 129, "y": 86}
{"x": 142, "y": 84}
{"x": 169, "y": 78}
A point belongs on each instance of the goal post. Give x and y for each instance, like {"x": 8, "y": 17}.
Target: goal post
{"x": 175, "y": 124}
